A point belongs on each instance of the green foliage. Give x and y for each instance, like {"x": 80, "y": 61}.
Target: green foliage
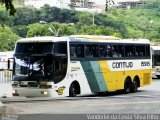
{"x": 7, "y": 38}
{"x": 9, "y": 6}
{"x": 5, "y": 18}
{"x": 133, "y": 23}
{"x": 25, "y": 16}
{"x": 21, "y": 30}
{"x": 38, "y": 29}
{"x": 153, "y": 4}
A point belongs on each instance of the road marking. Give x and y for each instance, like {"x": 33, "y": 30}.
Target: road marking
{"x": 145, "y": 96}
{"x": 135, "y": 103}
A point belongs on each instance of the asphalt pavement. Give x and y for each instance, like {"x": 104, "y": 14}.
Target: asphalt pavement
{"x": 146, "y": 100}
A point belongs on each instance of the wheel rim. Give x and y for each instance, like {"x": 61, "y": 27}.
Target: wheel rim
{"x": 135, "y": 87}
{"x": 128, "y": 88}
{"x": 73, "y": 92}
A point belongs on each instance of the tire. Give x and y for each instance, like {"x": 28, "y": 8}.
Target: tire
{"x": 127, "y": 86}
{"x": 73, "y": 91}
{"x": 134, "y": 86}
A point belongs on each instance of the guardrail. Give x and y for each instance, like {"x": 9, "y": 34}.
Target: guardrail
{"x": 5, "y": 83}
{"x": 5, "y": 76}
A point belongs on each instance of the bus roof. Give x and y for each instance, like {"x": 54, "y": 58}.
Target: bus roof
{"x": 83, "y": 38}
{"x": 42, "y": 39}
{"x": 96, "y": 37}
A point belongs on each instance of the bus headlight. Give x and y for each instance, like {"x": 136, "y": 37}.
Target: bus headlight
{"x": 14, "y": 91}
{"x": 44, "y": 92}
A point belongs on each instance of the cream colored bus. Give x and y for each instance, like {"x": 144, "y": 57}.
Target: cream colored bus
{"x": 80, "y": 64}
{"x": 156, "y": 61}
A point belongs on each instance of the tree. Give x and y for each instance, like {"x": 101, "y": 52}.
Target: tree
{"x": 7, "y": 39}
{"x": 5, "y": 18}
{"x": 9, "y": 6}
{"x": 21, "y": 30}
{"x": 25, "y": 16}
{"x": 37, "y": 29}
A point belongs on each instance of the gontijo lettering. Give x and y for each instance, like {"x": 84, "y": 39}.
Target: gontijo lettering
{"x": 122, "y": 65}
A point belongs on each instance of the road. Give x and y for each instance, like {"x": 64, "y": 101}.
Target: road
{"x": 146, "y": 100}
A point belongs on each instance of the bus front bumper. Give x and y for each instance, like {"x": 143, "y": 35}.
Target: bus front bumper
{"x": 34, "y": 92}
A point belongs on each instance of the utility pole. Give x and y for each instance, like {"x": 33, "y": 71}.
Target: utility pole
{"x": 54, "y": 30}
{"x": 93, "y": 17}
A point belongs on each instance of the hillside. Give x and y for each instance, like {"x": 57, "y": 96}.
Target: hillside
{"x": 134, "y": 23}
{"x": 141, "y": 22}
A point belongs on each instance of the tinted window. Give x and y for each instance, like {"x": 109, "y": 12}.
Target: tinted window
{"x": 73, "y": 51}
{"x": 129, "y": 50}
{"x": 34, "y": 48}
{"x": 148, "y": 51}
{"x": 140, "y": 50}
{"x": 77, "y": 50}
{"x": 88, "y": 51}
{"x": 105, "y": 51}
{"x": 80, "y": 50}
{"x": 118, "y": 51}
{"x": 60, "y": 48}
{"x": 95, "y": 50}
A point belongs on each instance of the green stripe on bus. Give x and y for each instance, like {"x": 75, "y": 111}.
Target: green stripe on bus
{"x": 92, "y": 81}
{"x": 99, "y": 76}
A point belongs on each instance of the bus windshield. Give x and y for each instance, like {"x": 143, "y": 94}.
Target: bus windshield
{"x": 156, "y": 58}
{"x": 35, "y": 64}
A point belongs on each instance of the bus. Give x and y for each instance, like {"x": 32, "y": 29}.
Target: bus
{"x": 156, "y": 61}
{"x": 80, "y": 65}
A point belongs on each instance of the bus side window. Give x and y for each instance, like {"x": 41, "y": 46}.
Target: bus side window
{"x": 120, "y": 51}
{"x": 129, "y": 51}
{"x": 105, "y": 51}
{"x": 109, "y": 50}
{"x": 73, "y": 51}
{"x": 95, "y": 50}
{"x": 140, "y": 50}
{"x": 147, "y": 51}
{"x": 102, "y": 51}
{"x": 115, "y": 51}
{"x": 88, "y": 51}
{"x": 80, "y": 50}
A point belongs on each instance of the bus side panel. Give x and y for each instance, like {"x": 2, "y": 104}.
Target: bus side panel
{"x": 77, "y": 73}
{"x": 94, "y": 76}
{"x": 109, "y": 78}
{"x": 115, "y": 78}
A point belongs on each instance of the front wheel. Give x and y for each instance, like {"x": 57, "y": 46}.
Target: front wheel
{"x": 72, "y": 91}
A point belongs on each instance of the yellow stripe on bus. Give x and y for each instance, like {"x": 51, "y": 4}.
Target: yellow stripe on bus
{"x": 115, "y": 79}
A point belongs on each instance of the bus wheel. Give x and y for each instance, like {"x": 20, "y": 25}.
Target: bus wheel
{"x": 134, "y": 86}
{"x": 72, "y": 91}
{"x": 127, "y": 86}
